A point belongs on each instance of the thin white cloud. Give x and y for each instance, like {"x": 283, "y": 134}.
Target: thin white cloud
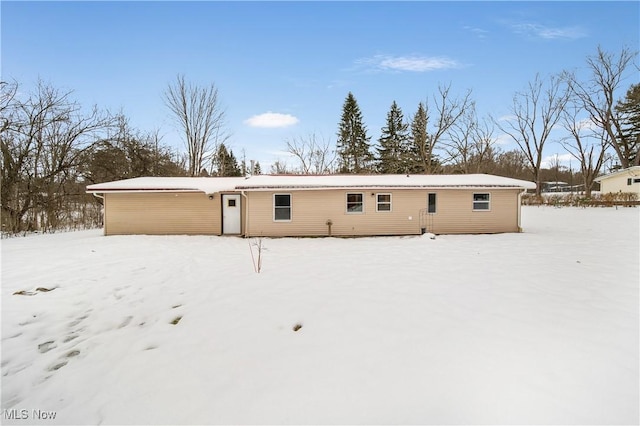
{"x": 503, "y": 139}
{"x": 548, "y": 33}
{"x": 552, "y": 160}
{"x": 586, "y": 124}
{"x": 271, "y": 120}
{"x": 510, "y": 117}
{"x": 413, "y": 63}
{"x": 478, "y": 32}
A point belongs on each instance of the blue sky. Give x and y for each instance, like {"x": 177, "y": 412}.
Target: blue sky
{"x": 283, "y": 69}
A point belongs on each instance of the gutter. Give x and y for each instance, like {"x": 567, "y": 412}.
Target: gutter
{"x": 246, "y": 224}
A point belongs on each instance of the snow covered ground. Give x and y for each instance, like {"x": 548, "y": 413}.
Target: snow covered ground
{"x": 540, "y": 327}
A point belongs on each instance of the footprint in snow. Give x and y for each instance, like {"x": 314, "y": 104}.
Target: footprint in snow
{"x": 125, "y": 322}
{"x": 58, "y": 366}
{"x": 46, "y": 346}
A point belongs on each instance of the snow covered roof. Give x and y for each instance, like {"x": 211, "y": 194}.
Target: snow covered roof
{"x": 630, "y": 171}
{"x": 210, "y": 185}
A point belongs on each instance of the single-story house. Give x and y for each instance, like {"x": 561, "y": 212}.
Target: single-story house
{"x": 624, "y": 180}
{"x": 329, "y": 205}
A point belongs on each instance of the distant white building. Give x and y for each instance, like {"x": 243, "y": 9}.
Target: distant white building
{"x": 625, "y": 180}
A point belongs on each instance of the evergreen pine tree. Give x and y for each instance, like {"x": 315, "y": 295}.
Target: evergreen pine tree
{"x": 421, "y": 159}
{"x": 257, "y": 170}
{"x": 393, "y": 152}
{"x": 226, "y": 163}
{"x": 232, "y": 167}
{"x": 629, "y": 112}
{"x": 353, "y": 148}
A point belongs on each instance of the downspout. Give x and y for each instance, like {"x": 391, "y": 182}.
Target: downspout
{"x": 246, "y": 222}
{"x": 520, "y": 194}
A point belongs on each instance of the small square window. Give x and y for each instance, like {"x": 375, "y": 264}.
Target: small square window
{"x": 383, "y": 202}
{"x": 481, "y": 201}
{"x": 355, "y": 203}
{"x": 231, "y": 203}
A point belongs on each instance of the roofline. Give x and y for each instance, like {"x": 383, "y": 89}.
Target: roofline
{"x": 325, "y": 187}
{"x": 300, "y": 188}
{"x": 633, "y": 170}
{"x": 103, "y": 190}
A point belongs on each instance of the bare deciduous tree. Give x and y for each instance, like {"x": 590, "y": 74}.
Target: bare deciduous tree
{"x": 470, "y": 148}
{"x": 584, "y": 143}
{"x": 536, "y": 110}
{"x": 42, "y": 142}
{"x": 597, "y": 97}
{"x": 448, "y": 111}
{"x": 314, "y": 155}
{"x": 198, "y": 112}
{"x": 280, "y": 167}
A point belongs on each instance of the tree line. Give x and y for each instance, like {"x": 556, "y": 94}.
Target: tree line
{"x": 447, "y": 136}
{"x": 52, "y": 148}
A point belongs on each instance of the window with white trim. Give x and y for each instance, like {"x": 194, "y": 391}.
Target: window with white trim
{"x": 431, "y": 203}
{"x": 282, "y": 207}
{"x": 482, "y": 201}
{"x": 355, "y": 203}
{"x": 383, "y": 202}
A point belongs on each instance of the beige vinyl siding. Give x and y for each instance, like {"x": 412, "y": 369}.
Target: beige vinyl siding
{"x": 619, "y": 184}
{"x": 310, "y": 211}
{"x": 162, "y": 213}
{"x": 455, "y": 214}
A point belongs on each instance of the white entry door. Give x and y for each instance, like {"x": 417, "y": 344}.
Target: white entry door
{"x": 231, "y": 214}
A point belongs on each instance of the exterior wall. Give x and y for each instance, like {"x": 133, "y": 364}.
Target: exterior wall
{"x": 455, "y": 214}
{"x": 310, "y": 211}
{"x": 619, "y": 184}
{"x": 162, "y": 213}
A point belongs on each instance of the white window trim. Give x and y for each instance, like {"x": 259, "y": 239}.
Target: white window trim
{"x": 290, "y": 208}
{"x": 390, "y": 203}
{"x": 435, "y": 205}
{"x": 346, "y": 202}
{"x": 474, "y": 202}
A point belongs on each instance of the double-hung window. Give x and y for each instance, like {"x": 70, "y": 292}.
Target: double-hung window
{"x": 282, "y": 207}
{"x": 383, "y": 202}
{"x": 355, "y": 203}
{"x": 482, "y": 201}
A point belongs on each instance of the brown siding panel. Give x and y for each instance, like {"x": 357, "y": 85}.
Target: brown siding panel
{"x": 162, "y": 213}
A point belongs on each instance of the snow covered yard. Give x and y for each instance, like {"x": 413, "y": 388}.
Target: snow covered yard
{"x": 536, "y": 328}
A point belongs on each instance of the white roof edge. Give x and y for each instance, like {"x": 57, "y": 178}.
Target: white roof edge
{"x": 210, "y": 185}
{"x": 376, "y": 187}
{"x": 633, "y": 170}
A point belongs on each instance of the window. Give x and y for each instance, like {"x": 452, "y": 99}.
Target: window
{"x": 355, "y": 203}
{"x": 282, "y": 207}
{"x": 636, "y": 180}
{"x": 629, "y": 181}
{"x": 481, "y": 201}
{"x": 231, "y": 203}
{"x": 383, "y": 202}
{"x": 431, "y": 203}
